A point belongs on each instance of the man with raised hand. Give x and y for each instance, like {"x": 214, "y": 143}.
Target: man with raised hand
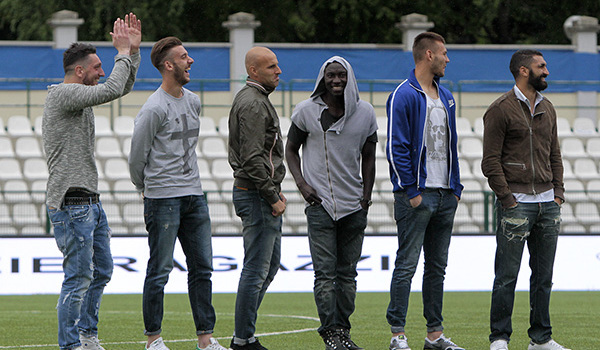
{"x": 80, "y": 227}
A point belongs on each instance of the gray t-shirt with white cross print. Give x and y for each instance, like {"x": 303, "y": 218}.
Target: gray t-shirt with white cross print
{"x": 162, "y": 160}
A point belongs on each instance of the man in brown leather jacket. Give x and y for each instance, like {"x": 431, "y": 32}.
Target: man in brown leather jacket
{"x": 523, "y": 164}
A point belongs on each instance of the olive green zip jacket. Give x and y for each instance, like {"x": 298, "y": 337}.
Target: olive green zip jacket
{"x": 255, "y": 144}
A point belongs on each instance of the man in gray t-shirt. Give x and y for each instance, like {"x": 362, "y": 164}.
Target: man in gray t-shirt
{"x": 80, "y": 227}
{"x": 164, "y": 168}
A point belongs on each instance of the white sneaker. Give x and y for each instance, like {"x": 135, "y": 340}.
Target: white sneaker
{"x": 441, "y": 343}
{"x": 499, "y": 344}
{"x": 158, "y": 344}
{"x": 214, "y": 345}
{"x": 399, "y": 342}
{"x": 90, "y": 342}
{"x": 551, "y": 345}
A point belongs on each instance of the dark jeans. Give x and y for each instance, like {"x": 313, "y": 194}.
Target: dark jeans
{"x": 83, "y": 237}
{"x": 185, "y": 218}
{"x": 537, "y": 224}
{"x": 335, "y": 248}
{"x": 428, "y": 226}
{"x": 262, "y": 255}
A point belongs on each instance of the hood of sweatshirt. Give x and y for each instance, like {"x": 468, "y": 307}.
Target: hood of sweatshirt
{"x": 351, "y": 97}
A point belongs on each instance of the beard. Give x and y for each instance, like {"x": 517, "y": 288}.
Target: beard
{"x": 537, "y": 83}
{"x": 180, "y": 76}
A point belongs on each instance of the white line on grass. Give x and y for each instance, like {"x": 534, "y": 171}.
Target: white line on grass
{"x": 293, "y": 331}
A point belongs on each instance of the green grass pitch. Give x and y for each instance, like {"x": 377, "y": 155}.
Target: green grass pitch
{"x": 289, "y": 321}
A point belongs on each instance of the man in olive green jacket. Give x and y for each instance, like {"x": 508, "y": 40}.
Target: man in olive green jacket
{"x": 256, "y": 156}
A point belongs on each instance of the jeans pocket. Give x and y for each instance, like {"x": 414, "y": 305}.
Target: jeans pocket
{"x": 79, "y": 212}
{"x": 59, "y": 226}
{"x": 514, "y": 224}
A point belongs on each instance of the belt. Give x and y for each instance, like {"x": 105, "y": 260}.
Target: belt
{"x": 247, "y": 184}
{"x": 79, "y": 200}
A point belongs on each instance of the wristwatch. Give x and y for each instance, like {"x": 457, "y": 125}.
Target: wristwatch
{"x": 369, "y": 202}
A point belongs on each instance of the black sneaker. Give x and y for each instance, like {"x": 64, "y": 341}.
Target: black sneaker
{"x": 332, "y": 340}
{"x": 250, "y": 346}
{"x": 344, "y": 335}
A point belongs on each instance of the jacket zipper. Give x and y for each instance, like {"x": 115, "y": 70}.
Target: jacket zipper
{"x": 329, "y": 175}
{"x": 271, "y": 155}
{"x": 517, "y": 164}
{"x": 529, "y": 122}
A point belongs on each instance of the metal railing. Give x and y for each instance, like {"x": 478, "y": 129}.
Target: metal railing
{"x": 369, "y": 89}
{"x": 23, "y": 213}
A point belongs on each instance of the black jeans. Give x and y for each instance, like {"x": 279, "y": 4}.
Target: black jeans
{"x": 335, "y": 248}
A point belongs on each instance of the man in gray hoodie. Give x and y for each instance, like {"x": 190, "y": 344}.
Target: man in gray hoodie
{"x": 68, "y": 134}
{"x": 335, "y": 129}
{"x": 164, "y": 167}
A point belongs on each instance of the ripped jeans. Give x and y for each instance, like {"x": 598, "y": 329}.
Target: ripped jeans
{"x": 537, "y": 224}
{"x": 83, "y": 236}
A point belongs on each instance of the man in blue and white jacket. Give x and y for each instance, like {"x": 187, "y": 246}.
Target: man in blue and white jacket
{"x": 422, "y": 153}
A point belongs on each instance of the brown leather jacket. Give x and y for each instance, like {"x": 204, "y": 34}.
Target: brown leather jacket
{"x": 521, "y": 153}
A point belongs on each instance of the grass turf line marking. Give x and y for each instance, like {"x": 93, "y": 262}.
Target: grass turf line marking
{"x": 293, "y": 331}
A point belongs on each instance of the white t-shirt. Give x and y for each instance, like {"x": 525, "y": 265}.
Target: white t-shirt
{"x": 436, "y": 144}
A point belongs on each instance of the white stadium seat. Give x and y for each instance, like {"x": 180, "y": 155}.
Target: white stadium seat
{"x": 6, "y": 148}
{"x": 572, "y": 148}
{"x": 18, "y": 126}
{"x": 102, "y": 126}
{"x": 28, "y": 147}
{"x": 584, "y": 127}
{"x": 214, "y": 147}
{"x": 35, "y": 169}
{"x": 108, "y": 147}
{"x": 123, "y": 126}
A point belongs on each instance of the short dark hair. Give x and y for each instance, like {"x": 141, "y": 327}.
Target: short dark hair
{"x": 522, "y": 58}
{"x": 160, "y": 50}
{"x": 75, "y": 53}
{"x": 423, "y": 42}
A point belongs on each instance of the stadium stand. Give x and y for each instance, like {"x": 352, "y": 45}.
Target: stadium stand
{"x": 24, "y": 174}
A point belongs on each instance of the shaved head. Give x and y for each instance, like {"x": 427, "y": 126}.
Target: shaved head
{"x": 255, "y": 55}
{"x": 262, "y": 66}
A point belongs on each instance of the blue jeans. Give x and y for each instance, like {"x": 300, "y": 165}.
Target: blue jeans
{"x": 262, "y": 255}
{"x": 185, "y": 218}
{"x": 335, "y": 248}
{"x": 428, "y": 226}
{"x": 537, "y": 224}
{"x": 83, "y": 236}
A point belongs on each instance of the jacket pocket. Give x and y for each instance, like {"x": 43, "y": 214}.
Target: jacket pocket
{"x": 516, "y": 172}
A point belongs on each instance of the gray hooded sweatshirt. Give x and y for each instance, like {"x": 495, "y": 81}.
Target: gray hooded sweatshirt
{"x": 331, "y": 160}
